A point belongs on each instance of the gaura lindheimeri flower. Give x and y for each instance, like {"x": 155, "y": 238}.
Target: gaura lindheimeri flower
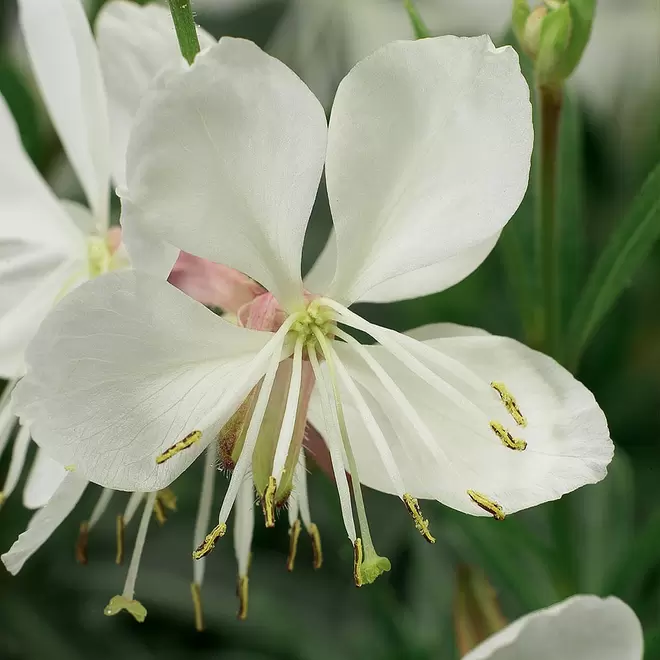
{"x": 51, "y": 246}
{"x": 580, "y": 628}
{"x": 426, "y": 158}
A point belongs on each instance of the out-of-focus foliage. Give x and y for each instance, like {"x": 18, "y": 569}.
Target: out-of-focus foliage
{"x": 603, "y": 539}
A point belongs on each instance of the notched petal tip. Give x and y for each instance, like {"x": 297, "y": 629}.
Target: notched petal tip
{"x": 133, "y": 607}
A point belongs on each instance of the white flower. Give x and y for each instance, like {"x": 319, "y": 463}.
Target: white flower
{"x": 427, "y": 157}
{"x": 50, "y": 246}
{"x": 580, "y": 628}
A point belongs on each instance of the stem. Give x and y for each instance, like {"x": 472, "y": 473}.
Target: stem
{"x": 186, "y": 30}
{"x": 550, "y": 100}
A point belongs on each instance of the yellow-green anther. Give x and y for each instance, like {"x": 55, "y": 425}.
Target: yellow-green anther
{"x": 294, "y": 535}
{"x": 510, "y": 403}
{"x": 487, "y": 504}
{"x": 119, "y": 556}
{"x": 209, "y": 542}
{"x": 506, "y": 438}
{"x": 196, "y": 593}
{"x": 188, "y": 441}
{"x": 317, "y": 550}
{"x": 269, "y": 502}
{"x": 242, "y": 593}
{"x": 133, "y": 607}
{"x": 421, "y": 523}
{"x": 159, "y": 511}
{"x": 81, "y": 543}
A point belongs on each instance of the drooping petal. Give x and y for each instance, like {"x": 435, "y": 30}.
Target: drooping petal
{"x": 40, "y": 248}
{"x": 235, "y": 145}
{"x": 45, "y": 477}
{"x": 428, "y": 157}
{"x": 127, "y": 366}
{"x": 45, "y": 522}
{"x": 66, "y": 64}
{"x": 582, "y": 627}
{"x": 443, "y": 450}
{"x": 135, "y": 44}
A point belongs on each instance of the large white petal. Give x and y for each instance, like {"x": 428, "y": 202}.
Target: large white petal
{"x": 126, "y": 366}
{"x": 45, "y": 522}
{"x": 224, "y": 161}
{"x": 421, "y": 282}
{"x": 66, "y": 64}
{"x": 135, "y": 44}
{"x": 44, "y": 479}
{"x": 40, "y": 248}
{"x": 580, "y": 628}
{"x": 567, "y": 435}
{"x": 428, "y": 157}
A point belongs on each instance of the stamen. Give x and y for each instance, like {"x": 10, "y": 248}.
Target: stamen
{"x": 204, "y": 513}
{"x": 300, "y": 503}
{"x": 269, "y": 502}
{"x": 126, "y": 601}
{"x": 507, "y": 439}
{"x": 81, "y": 543}
{"x": 87, "y": 526}
{"x": 195, "y": 591}
{"x": 371, "y": 425}
{"x": 188, "y": 441}
{"x": 373, "y": 564}
{"x": 159, "y": 511}
{"x": 18, "y": 456}
{"x": 209, "y": 541}
{"x": 317, "y": 550}
{"x": 400, "y": 399}
{"x": 487, "y": 505}
{"x": 335, "y": 451}
{"x": 244, "y": 526}
{"x": 294, "y": 535}
{"x": 132, "y": 506}
{"x": 7, "y": 417}
{"x": 119, "y": 525}
{"x": 403, "y": 348}
{"x": 290, "y": 413}
{"x": 421, "y": 523}
{"x": 242, "y": 593}
{"x": 245, "y": 458}
{"x": 357, "y": 562}
{"x": 509, "y": 403}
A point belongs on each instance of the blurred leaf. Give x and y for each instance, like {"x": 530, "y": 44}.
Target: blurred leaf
{"x": 625, "y": 252}
{"x": 22, "y": 105}
{"x": 602, "y": 525}
{"x": 477, "y": 613}
{"x": 570, "y": 212}
{"x": 640, "y": 559}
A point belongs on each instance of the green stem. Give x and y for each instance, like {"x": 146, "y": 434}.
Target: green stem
{"x": 418, "y": 24}
{"x": 186, "y": 30}
{"x": 550, "y": 101}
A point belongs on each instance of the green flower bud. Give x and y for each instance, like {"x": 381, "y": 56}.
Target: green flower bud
{"x": 554, "y": 35}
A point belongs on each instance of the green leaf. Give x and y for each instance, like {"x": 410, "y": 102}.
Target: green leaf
{"x": 625, "y": 252}
{"x": 570, "y": 206}
{"x": 519, "y": 16}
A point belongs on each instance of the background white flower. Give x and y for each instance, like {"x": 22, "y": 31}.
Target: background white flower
{"x": 580, "y": 628}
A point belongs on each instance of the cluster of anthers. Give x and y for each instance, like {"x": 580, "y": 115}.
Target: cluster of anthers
{"x": 261, "y": 446}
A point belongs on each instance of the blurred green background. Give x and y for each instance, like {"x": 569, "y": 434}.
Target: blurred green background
{"x": 603, "y": 539}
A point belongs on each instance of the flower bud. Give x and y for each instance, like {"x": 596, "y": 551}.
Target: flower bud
{"x": 554, "y": 35}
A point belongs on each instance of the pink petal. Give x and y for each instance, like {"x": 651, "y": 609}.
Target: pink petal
{"x": 213, "y": 284}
